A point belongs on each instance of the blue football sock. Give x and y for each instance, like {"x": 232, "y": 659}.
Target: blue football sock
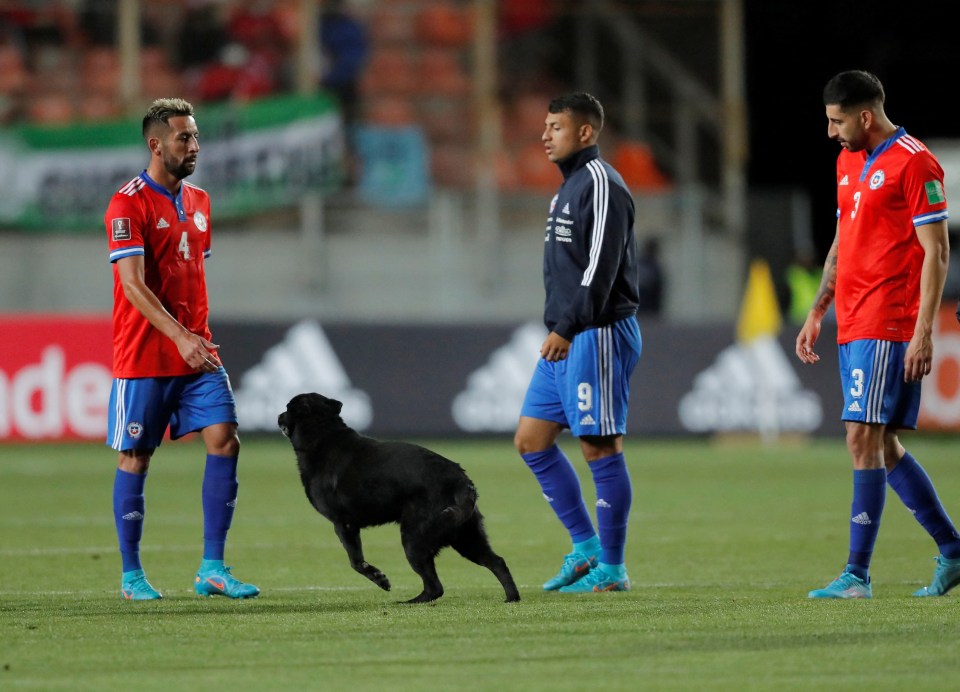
{"x": 912, "y": 484}
{"x": 614, "y": 497}
{"x": 128, "y": 511}
{"x": 869, "y": 495}
{"x": 561, "y": 488}
{"x": 219, "y": 500}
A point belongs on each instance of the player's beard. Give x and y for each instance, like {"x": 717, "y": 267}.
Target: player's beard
{"x": 179, "y": 169}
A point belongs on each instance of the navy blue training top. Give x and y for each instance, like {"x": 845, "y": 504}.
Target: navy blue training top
{"x": 590, "y": 269}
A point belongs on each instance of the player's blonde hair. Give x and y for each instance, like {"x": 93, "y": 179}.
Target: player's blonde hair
{"x": 161, "y": 110}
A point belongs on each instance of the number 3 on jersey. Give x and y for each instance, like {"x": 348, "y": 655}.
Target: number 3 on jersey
{"x": 856, "y": 204}
{"x": 184, "y": 246}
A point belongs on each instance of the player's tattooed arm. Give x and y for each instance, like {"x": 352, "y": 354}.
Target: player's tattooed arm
{"x": 828, "y": 282}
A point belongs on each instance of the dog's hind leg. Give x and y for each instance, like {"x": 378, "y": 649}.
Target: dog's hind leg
{"x": 350, "y": 539}
{"x": 421, "y": 554}
{"x": 471, "y": 541}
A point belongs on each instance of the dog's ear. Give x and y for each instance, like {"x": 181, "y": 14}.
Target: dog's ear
{"x": 335, "y": 406}
{"x": 285, "y": 425}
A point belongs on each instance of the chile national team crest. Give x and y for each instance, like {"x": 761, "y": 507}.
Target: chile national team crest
{"x": 200, "y": 221}
{"x": 877, "y": 179}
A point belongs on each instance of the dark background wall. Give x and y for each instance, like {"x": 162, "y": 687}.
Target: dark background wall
{"x": 793, "y": 48}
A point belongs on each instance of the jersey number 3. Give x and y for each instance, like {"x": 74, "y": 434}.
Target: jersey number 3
{"x": 856, "y": 204}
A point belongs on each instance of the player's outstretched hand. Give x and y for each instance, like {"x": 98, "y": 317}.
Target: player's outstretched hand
{"x": 806, "y": 339}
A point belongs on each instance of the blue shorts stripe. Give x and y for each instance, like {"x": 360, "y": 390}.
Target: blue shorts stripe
{"x": 878, "y": 384}
{"x": 118, "y": 413}
{"x": 608, "y": 425}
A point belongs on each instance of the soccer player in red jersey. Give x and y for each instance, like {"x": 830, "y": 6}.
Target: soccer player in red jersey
{"x": 166, "y": 369}
{"x": 885, "y": 270}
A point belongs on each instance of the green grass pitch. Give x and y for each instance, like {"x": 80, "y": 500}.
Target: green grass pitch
{"x": 725, "y": 541}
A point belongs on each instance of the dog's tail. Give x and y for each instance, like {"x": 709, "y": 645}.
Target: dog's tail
{"x": 464, "y": 504}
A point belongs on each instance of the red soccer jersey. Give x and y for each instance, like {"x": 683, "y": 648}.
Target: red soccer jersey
{"x": 173, "y": 235}
{"x": 881, "y": 201}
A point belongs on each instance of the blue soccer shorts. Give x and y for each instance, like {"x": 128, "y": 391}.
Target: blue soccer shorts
{"x": 142, "y": 408}
{"x": 871, "y": 374}
{"x": 589, "y": 390}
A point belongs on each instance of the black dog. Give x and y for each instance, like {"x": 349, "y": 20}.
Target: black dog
{"x": 356, "y": 481}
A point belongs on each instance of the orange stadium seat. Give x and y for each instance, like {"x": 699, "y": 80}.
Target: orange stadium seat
{"x": 50, "y": 109}
{"x": 389, "y": 111}
{"x": 535, "y": 171}
{"x": 390, "y": 26}
{"x": 636, "y": 164}
{"x": 390, "y": 71}
{"x": 451, "y": 166}
{"x": 13, "y": 73}
{"x": 100, "y": 70}
{"x": 447, "y": 120}
{"x": 441, "y": 73}
{"x": 506, "y": 172}
{"x": 524, "y": 121}
{"x": 99, "y": 107}
{"x": 443, "y": 25}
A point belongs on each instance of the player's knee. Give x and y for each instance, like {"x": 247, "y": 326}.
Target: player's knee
{"x": 865, "y": 443}
{"x": 222, "y": 441}
{"x": 134, "y": 461}
{"x": 521, "y": 443}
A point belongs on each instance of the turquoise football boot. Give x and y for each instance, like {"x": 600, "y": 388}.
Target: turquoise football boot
{"x": 575, "y": 566}
{"x": 598, "y": 581}
{"x": 945, "y": 577}
{"x": 847, "y": 585}
{"x": 214, "y": 579}
{"x": 135, "y": 587}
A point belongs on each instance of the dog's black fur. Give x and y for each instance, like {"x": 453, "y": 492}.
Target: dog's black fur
{"x": 357, "y": 481}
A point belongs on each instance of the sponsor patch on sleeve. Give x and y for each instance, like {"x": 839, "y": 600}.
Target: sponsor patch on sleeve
{"x": 934, "y": 190}
{"x": 121, "y": 229}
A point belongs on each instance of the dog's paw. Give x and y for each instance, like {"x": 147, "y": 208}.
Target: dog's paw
{"x": 425, "y": 597}
{"x": 380, "y": 579}
{"x": 375, "y": 575}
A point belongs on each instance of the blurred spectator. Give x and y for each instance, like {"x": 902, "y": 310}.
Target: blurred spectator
{"x": 202, "y": 34}
{"x": 53, "y": 22}
{"x": 651, "y": 278}
{"x": 256, "y": 25}
{"x": 98, "y": 24}
{"x": 236, "y": 75}
{"x": 344, "y": 49}
{"x": 13, "y": 73}
{"x": 245, "y": 53}
{"x": 527, "y": 44}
